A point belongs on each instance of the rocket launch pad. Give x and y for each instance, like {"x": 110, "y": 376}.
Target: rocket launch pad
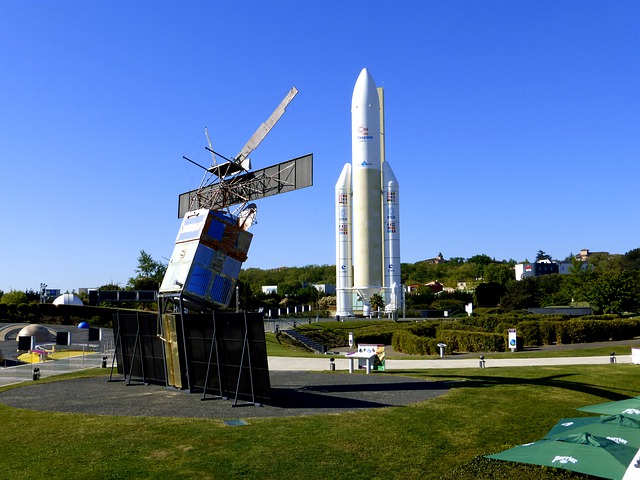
{"x": 367, "y": 211}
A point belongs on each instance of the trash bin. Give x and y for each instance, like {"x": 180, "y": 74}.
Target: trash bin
{"x": 104, "y": 362}
{"x": 332, "y": 365}
{"x": 36, "y": 373}
{"x": 441, "y": 347}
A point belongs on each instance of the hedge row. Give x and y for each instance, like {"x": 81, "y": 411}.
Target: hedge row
{"x": 50, "y": 314}
{"x": 464, "y": 341}
{"x": 494, "y": 322}
{"x": 406, "y": 342}
{"x": 379, "y": 338}
{"x": 577, "y": 331}
{"x": 456, "y": 340}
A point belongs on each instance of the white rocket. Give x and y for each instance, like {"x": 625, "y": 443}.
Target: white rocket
{"x": 367, "y": 210}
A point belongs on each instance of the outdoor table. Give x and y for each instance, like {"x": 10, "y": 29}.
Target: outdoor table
{"x": 357, "y": 355}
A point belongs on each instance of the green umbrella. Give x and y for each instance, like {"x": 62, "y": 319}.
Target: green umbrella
{"x": 581, "y": 452}
{"x": 629, "y": 407}
{"x": 619, "y": 428}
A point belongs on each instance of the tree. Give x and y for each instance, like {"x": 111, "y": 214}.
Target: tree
{"x": 479, "y": 262}
{"x": 632, "y": 259}
{"x": 541, "y": 255}
{"x": 501, "y": 273}
{"x": 521, "y": 294}
{"x": 612, "y": 293}
{"x": 150, "y": 273}
{"x": 14, "y": 297}
{"x": 488, "y": 294}
{"x": 377, "y": 302}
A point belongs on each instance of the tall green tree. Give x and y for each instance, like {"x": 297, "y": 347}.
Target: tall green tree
{"x": 501, "y": 273}
{"x": 149, "y": 273}
{"x": 521, "y": 294}
{"x": 612, "y": 293}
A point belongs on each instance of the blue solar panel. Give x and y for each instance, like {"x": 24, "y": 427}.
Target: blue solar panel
{"x": 199, "y": 280}
{"x": 221, "y": 290}
{"x": 231, "y": 267}
{"x": 216, "y": 229}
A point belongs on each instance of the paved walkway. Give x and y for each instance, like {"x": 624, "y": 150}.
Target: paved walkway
{"x": 319, "y": 363}
{"x": 322, "y": 362}
{"x": 21, "y": 373}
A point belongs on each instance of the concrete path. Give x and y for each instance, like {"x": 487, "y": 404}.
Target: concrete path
{"x": 322, "y": 362}
{"x": 22, "y": 373}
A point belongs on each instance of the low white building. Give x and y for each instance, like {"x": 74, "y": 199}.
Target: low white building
{"x": 268, "y": 289}
{"x": 326, "y": 288}
{"x": 544, "y": 266}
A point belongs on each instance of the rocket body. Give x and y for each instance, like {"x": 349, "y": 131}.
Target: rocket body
{"x": 367, "y": 210}
{"x": 365, "y": 165}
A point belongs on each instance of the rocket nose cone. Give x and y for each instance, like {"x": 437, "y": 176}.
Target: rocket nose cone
{"x": 365, "y": 91}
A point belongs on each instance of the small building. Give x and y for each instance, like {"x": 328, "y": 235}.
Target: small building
{"x": 68, "y": 299}
{"x": 541, "y": 267}
{"x": 269, "y": 289}
{"x": 435, "y": 286}
{"x": 326, "y": 288}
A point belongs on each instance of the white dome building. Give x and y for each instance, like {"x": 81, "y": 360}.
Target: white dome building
{"x": 41, "y": 334}
{"x": 68, "y": 299}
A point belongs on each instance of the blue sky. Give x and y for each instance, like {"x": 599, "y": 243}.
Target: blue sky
{"x": 512, "y": 127}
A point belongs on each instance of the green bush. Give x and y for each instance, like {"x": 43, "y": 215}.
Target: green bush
{"x": 464, "y": 341}
{"x": 459, "y": 326}
{"x": 424, "y": 329}
{"x": 623, "y": 329}
{"x": 565, "y": 331}
{"x": 547, "y": 332}
{"x": 530, "y": 333}
{"x": 23, "y": 309}
{"x": 381, "y": 338}
{"x": 407, "y": 342}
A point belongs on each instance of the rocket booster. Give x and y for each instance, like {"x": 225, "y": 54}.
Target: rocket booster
{"x": 365, "y": 164}
{"x": 344, "y": 265}
{"x": 391, "y": 201}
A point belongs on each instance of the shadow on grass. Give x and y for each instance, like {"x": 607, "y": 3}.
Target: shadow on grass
{"x": 292, "y": 393}
{"x": 556, "y": 381}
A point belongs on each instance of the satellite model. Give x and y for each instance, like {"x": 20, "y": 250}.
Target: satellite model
{"x": 213, "y": 240}
{"x": 195, "y": 347}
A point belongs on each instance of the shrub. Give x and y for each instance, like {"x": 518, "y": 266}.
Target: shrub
{"x": 547, "y": 332}
{"x": 424, "y": 329}
{"x": 23, "y": 309}
{"x": 407, "y": 342}
{"x": 530, "y": 333}
{"x": 382, "y": 338}
{"x": 463, "y": 341}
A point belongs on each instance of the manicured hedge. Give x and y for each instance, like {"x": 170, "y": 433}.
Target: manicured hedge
{"x": 577, "y": 331}
{"x": 406, "y": 342}
{"x": 456, "y": 340}
{"x": 463, "y": 341}
{"x": 381, "y": 338}
{"x": 424, "y": 329}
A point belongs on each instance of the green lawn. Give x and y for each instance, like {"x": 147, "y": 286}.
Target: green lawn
{"x": 485, "y": 411}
